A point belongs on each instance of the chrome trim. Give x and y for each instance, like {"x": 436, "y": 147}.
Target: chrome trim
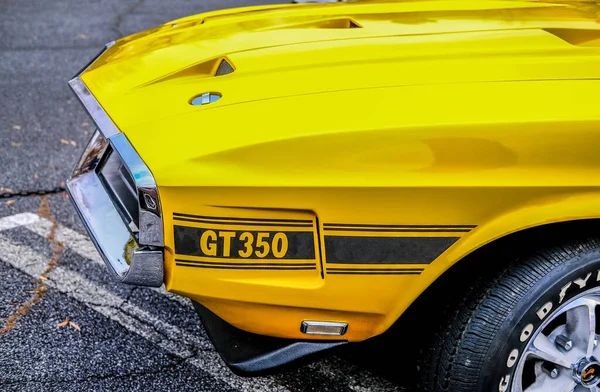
{"x": 89, "y": 102}
{"x": 127, "y": 261}
{"x": 93, "y": 60}
{"x": 92, "y": 154}
{"x": 150, "y": 219}
{"x": 305, "y": 324}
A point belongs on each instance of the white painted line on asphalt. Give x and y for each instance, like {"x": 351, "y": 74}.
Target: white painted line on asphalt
{"x": 78, "y": 243}
{"x": 23, "y": 258}
{"x": 167, "y": 336}
{"x": 10, "y": 222}
{"x": 83, "y": 246}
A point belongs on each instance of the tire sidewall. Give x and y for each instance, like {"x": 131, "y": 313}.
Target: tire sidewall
{"x": 567, "y": 280}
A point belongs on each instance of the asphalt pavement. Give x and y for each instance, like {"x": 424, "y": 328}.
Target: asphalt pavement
{"x": 64, "y": 324}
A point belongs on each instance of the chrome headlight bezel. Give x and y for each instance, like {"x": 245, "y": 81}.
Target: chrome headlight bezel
{"x": 133, "y": 251}
{"x": 150, "y": 225}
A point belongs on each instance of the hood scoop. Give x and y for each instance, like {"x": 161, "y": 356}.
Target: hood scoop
{"x": 328, "y": 23}
{"x": 215, "y": 67}
{"x": 578, "y": 37}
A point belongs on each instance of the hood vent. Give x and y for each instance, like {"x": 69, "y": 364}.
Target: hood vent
{"x": 213, "y": 67}
{"x": 329, "y": 23}
{"x": 578, "y": 37}
{"x": 338, "y": 23}
{"x": 345, "y": 23}
{"x": 224, "y": 68}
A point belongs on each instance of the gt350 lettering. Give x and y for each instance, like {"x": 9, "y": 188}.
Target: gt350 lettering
{"x": 264, "y": 244}
{"x": 243, "y": 244}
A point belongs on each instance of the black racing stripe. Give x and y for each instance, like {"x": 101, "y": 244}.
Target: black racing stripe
{"x": 385, "y": 250}
{"x": 401, "y": 226}
{"x": 240, "y": 223}
{"x": 247, "y": 269}
{"x": 398, "y": 230}
{"x": 247, "y": 264}
{"x": 319, "y": 246}
{"x": 373, "y": 273}
{"x": 243, "y": 219}
{"x": 375, "y": 269}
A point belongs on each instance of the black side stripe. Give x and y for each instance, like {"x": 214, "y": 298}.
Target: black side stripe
{"x": 242, "y": 219}
{"x": 375, "y": 269}
{"x": 319, "y": 248}
{"x": 399, "y": 230}
{"x": 374, "y": 273}
{"x": 244, "y": 223}
{"x": 246, "y": 264}
{"x": 385, "y": 250}
{"x": 400, "y": 226}
{"x": 314, "y": 267}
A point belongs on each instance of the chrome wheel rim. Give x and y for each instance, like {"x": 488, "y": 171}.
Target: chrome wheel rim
{"x": 563, "y": 354}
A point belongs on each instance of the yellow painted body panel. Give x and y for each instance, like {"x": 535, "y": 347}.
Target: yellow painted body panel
{"x": 453, "y": 119}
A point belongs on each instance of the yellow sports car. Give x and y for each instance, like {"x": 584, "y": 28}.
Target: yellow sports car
{"x": 310, "y": 174}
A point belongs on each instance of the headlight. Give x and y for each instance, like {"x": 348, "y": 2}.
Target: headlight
{"x": 118, "y": 182}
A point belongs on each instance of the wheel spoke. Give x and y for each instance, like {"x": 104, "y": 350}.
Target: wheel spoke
{"x": 544, "y": 349}
{"x": 544, "y": 383}
{"x": 581, "y": 324}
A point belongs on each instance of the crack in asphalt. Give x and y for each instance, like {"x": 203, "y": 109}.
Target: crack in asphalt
{"x": 7, "y": 193}
{"x": 41, "y": 288}
{"x": 116, "y": 27}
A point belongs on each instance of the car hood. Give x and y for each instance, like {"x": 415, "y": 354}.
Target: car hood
{"x": 293, "y": 71}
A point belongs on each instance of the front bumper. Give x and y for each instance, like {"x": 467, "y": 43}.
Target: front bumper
{"x": 126, "y": 259}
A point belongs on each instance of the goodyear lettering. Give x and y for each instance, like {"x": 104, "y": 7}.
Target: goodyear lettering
{"x": 503, "y": 387}
{"x": 563, "y": 292}
{"x": 526, "y": 332}
{"x": 512, "y": 358}
{"x": 544, "y": 310}
{"x": 581, "y": 282}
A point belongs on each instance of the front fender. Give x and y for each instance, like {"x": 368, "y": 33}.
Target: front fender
{"x": 537, "y": 212}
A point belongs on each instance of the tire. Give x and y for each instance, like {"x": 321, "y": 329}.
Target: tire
{"x": 487, "y": 342}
